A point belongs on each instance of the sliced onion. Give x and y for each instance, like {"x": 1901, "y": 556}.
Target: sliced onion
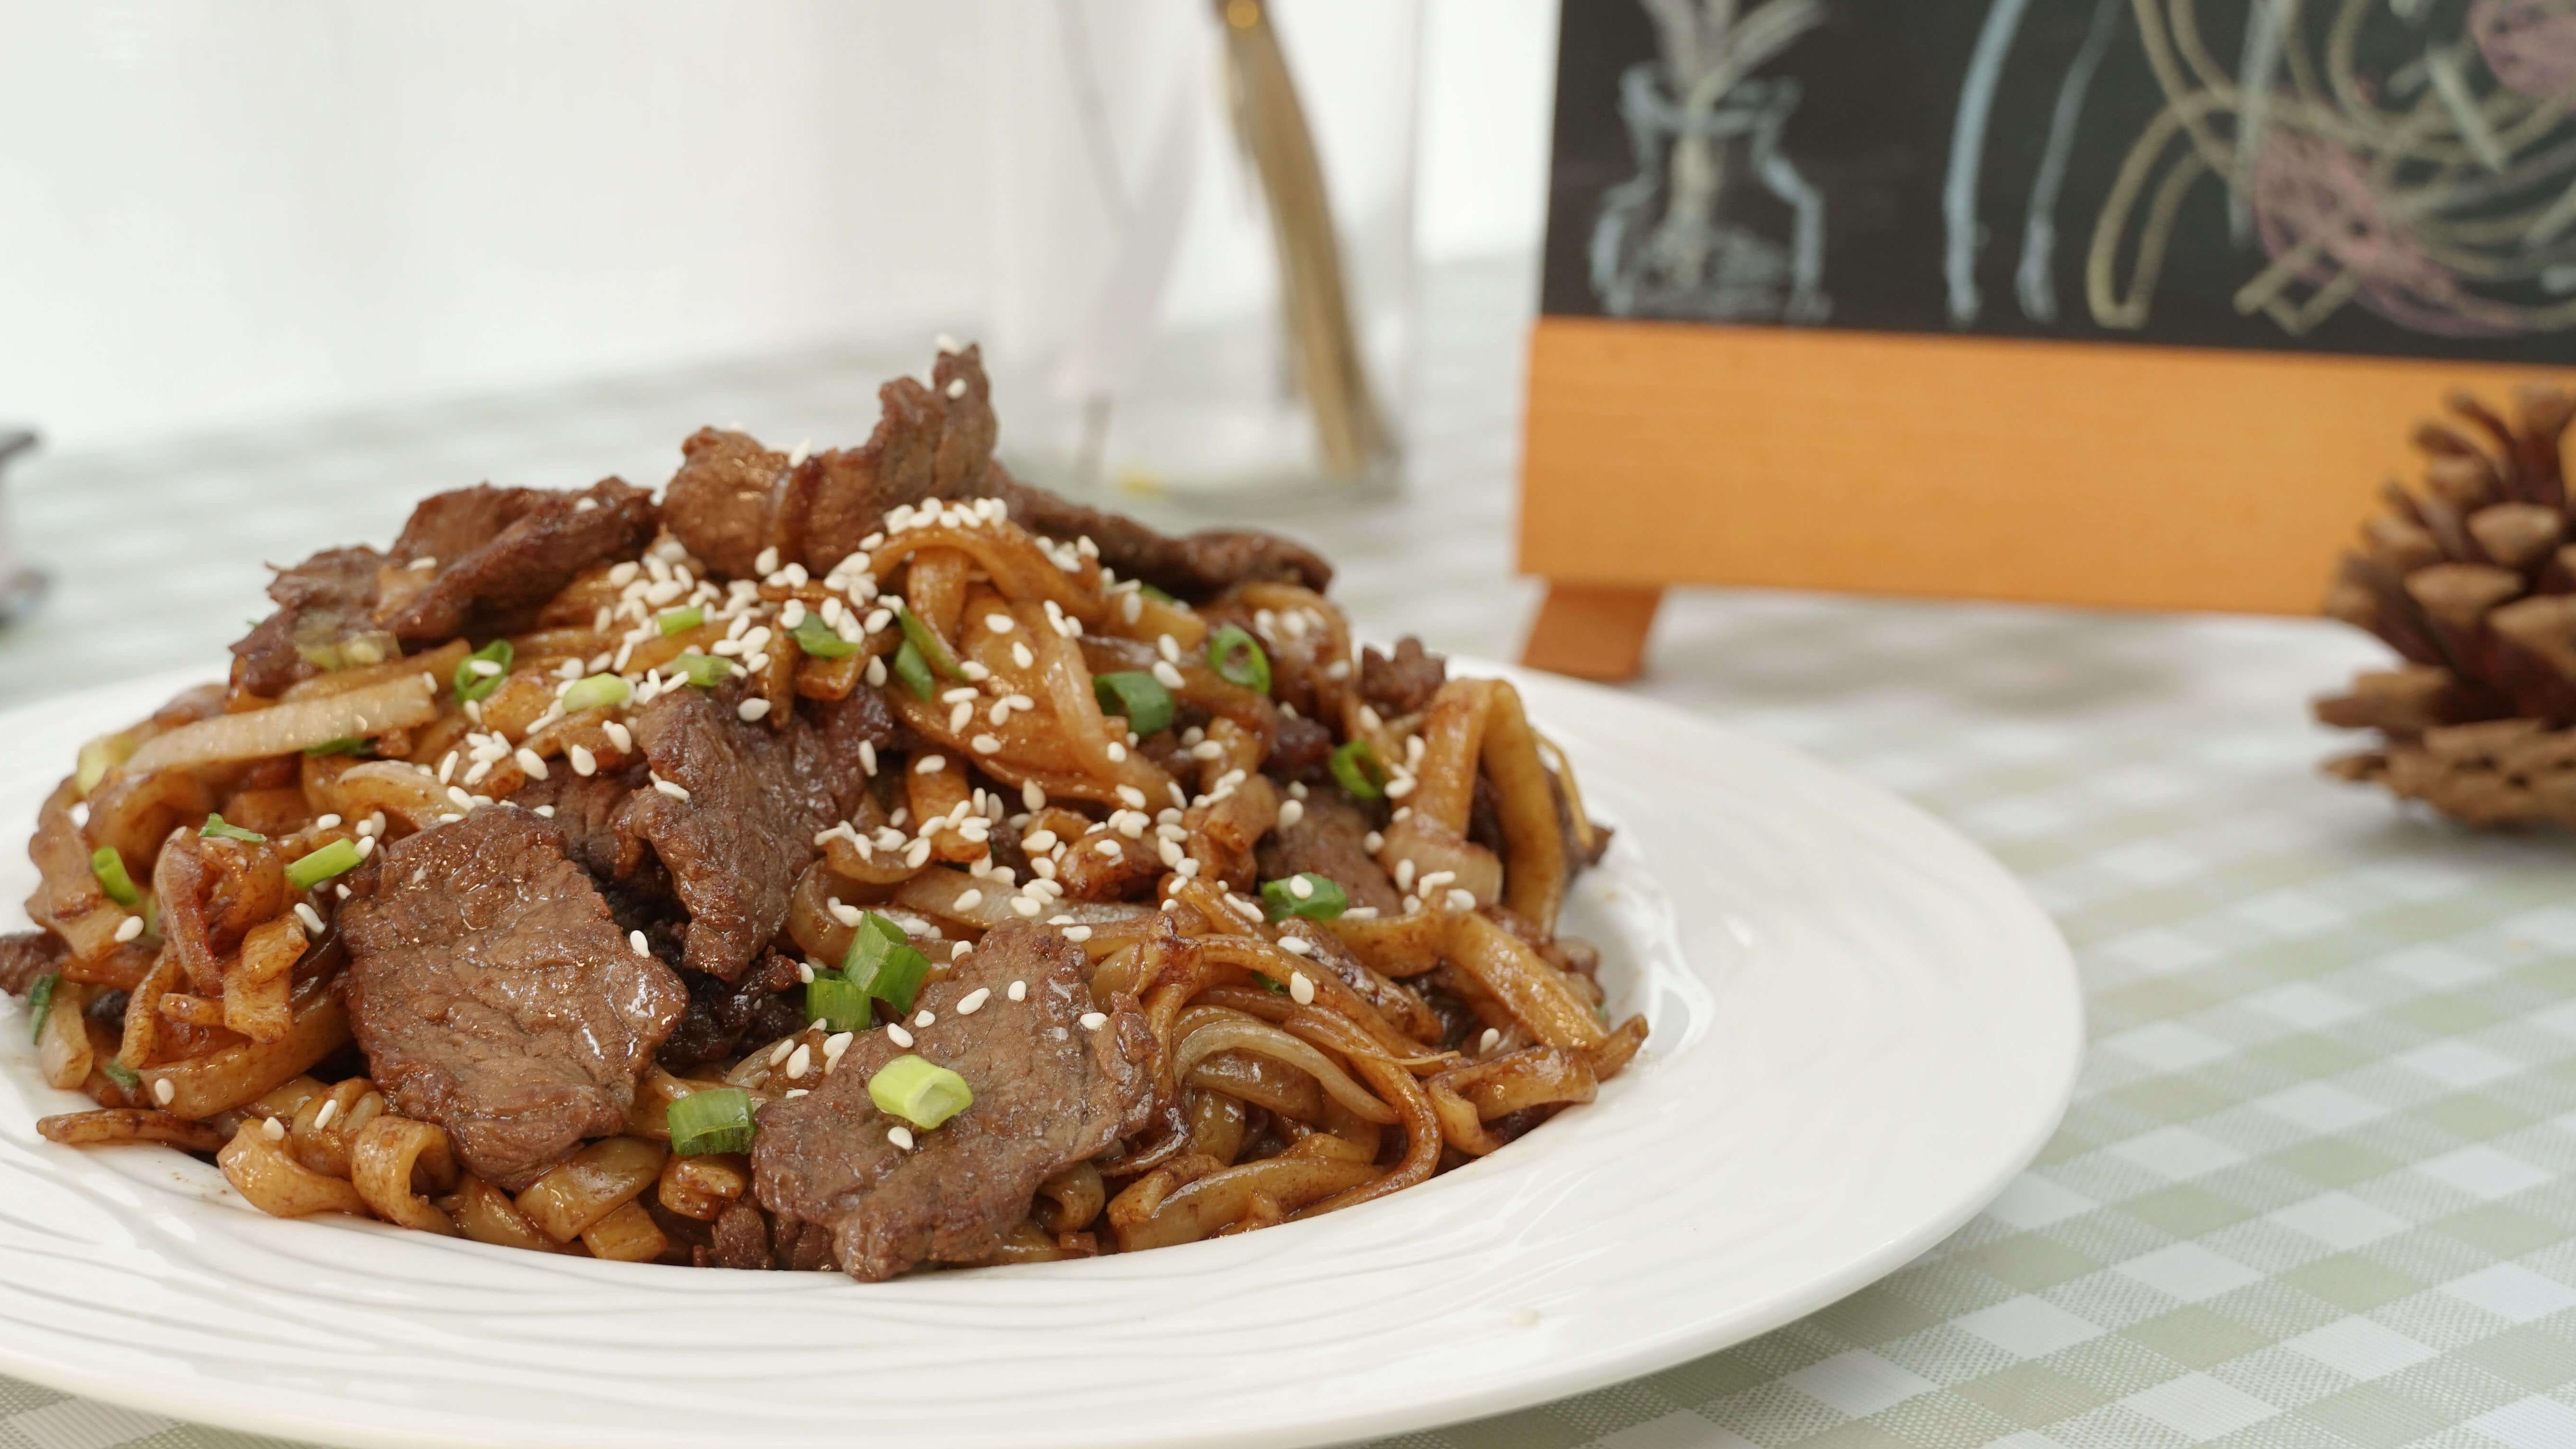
{"x": 1222, "y": 1029}
{"x": 287, "y": 728}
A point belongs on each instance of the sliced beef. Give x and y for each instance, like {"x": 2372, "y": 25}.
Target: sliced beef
{"x": 322, "y": 601}
{"x": 741, "y": 1239}
{"x": 27, "y": 955}
{"x": 1329, "y": 839}
{"x": 503, "y": 552}
{"x": 1405, "y": 682}
{"x": 757, "y": 796}
{"x": 762, "y": 1006}
{"x": 477, "y": 561}
{"x": 493, "y": 995}
{"x": 1300, "y": 749}
{"x": 1049, "y": 1093}
{"x": 733, "y": 498}
{"x": 585, "y": 809}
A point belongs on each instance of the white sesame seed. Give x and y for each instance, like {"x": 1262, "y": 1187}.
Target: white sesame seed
{"x": 959, "y": 950}
{"x": 1462, "y": 899}
{"x": 1301, "y": 990}
{"x": 1169, "y": 676}
{"x": 900, "y": 1137}
{"x": 132, "y": 926}
{"x": 896, "y": 1034}
{"x": 799, "y": 1062}
{"x": 1077, "y": 934}
{"x": 752, "y": 708}
{"x": 1373, "y": 842}
{"x": 273, "y": 1130}
{"x": 957, "y": 387}
{"x": 164, "y": 1091}
{"x": 1094, "y": 1020}
{"x": 924, "y": 1017}
{"x": 484, "y": 667}
{"x": 619, "y": 736}
{"x": 584, "y": 763}
{"x": 805, "y": 972}
{"x": 671, "y": 788}
{"x": 635, "y": 942}
{"x": 1113, "y": 850}
{"x": 530, "y": 763}
{"x": 367, "y": 843}
{"x": 1290, "y": 812}
{"x": 1300, "y": 887}
{"x": 1296, "y": 946}
{"x": 929, "y": 764}
{"x": 1131, "y": 797}
{"x": 779, "y": 1052}
{"x": 1027, "y": 906}
{"x": 767, "y": 561}
{"x": 973, "y": 1001}
{"x": 330, "y": 1109}
{"x": 1486, "y": 1042}
{"x": 837, "y": 1043}
{"x": 1032, "y": 796}
{"x": 305, "y": 913}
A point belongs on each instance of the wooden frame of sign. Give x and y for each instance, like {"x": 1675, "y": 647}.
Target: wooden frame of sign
{"x": 1924, "y": 336}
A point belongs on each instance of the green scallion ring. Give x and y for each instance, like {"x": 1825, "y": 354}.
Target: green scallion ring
{"x": 914, "y": 672}
{"x": 680, "y": 621}
{"x": 472, "y": 683}
{"x": 597, "y": 691}
{"x": 920, "y": 1091}
{"x": 882, "y": 962}
{"x": 706, "y": 671}
{"x": 1355, "y": 768}
{"x": 1320, "y": 898}
{"x": 1238, "y": 659}
{"x": 715, "y": 1120}
{"x": 315, "y": 867}
{"x": 217, "y": 828}
{"x": 1139, "y": 696}
{"x": 838, "y": 1002}
{"x": 40, "y": 1004}
{"x": 113, "y": 882}
{"x": 820, "y": 640}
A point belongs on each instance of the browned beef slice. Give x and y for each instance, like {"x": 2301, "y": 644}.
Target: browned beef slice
{"x": 728, "y": 501}
{"x": 503, "y": 552}
{"x": 1329, "y": 839}
{"x": 585, "y": 809}
{"x": 741, "y": 1239}
{"x": 762, "y": 1006}
{"x": 757, "y": 797}
{"x": 1048, "y": 1093}
{"x": 732, "y": 497}
{"x": 1405, "y": 682}
{"x": 27, "y": 955}
{"x": 493, "y": 995}
{"x": 1299, "y": 750}
{"x": 323, "y": 600}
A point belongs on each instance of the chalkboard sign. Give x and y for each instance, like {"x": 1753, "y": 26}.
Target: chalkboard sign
{"x": 1989, "y": 296}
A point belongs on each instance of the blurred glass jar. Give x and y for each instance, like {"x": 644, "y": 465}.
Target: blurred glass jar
{"x": 1207, "y": 275}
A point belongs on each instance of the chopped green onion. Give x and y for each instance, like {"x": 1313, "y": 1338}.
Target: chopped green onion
{"x": 882, "y": 962}
{"x": 599, "y": 691}
{"x": 1276, "y": 986}
{"x": 345, "y": 745}
{"x": 1157, "y": 595}
{"x": 680, "y": 621}
{"x": 921, "y": 1092}
{"x": 100, "y": 756}
{"x": 934, "y": 650}
{"x": 706, "y": 671}
{"x": 1355, "y": 766}
{"x": 40, "y": 1002}
{"x": 715, "y": 1120}
{"x": 819, "y": 639}
{"x": 1321, "y": 900}
{"x": 914, "y": 673}
{"x": 121, "y": 1074}
{"x": 1137, "y": 695}
{"x": 1237, "y": 658}
{"x": 217, "y": 828}
{"x": 319, "y": 866}
{"x": 109, "y": 867}
{"x": 472, "y": 683}
{"x": 838, "y": 1002}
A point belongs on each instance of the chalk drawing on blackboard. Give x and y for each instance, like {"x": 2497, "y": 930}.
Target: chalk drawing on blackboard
{"x": 1697, "y": 117}
{"x": 2437, "y": 192}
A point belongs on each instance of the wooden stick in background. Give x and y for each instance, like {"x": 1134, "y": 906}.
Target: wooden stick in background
{"x": 1270, "y": 123}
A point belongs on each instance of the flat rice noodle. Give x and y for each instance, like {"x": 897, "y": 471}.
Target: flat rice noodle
{"x": 1200, "y": 1208}
{"x": 1008, "y": 557}
{"x": 67, "y": 900}
{"x": 121, "y": 969}
{"x": 1395, "y": 946}
{"x": 1412, "y": 1105}
{"x": 204, "y": 1086}
{"x": 1273, "y": 1086}
{"x": 1473, "y": 1095}
{"x": 129, "y": 1124}
{"x": 282, "y": 729}
{"x": 1205, "y": 1030}
{"x": 404, "y": 793}
{"x": 439, "y": 663}
{"x": 1535, "y": 993}
{"x": 136, "y": 812}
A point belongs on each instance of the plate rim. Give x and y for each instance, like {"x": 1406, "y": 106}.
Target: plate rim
{"x": 1707, "y": 1332}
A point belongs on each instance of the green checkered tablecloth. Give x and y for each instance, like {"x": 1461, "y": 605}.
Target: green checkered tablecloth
{"x": 2318, "y": 1186}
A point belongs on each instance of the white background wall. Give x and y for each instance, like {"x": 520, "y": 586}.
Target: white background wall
{"x": 214, "y": 212}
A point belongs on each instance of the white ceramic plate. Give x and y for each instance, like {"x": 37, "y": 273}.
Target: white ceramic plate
{"x": 1862, "y": 1030}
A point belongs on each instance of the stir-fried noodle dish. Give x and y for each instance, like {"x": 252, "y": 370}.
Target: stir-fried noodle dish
{"x": 850, "y": 859}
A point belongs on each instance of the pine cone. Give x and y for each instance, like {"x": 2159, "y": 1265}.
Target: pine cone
{"x": 2473, "y": 581}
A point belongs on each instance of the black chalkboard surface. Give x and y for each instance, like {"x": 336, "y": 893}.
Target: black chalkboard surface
{"x": 2375, "y": 177}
